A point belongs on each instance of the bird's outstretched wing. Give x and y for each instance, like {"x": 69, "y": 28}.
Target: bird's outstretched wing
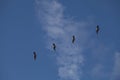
{"x": 34, "y": 55}
{"x": 73, "y": 39}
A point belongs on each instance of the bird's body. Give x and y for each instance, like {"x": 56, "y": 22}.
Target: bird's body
{"x": 54, "y": 46}
{"x": 97, "y": 29}
{"x": 34, "y": 55}
{"x": 73, "y": 39}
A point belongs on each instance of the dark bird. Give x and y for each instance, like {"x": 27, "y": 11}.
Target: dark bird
{"x": 73, "y": 39}
{"x": 35, "y": 55}
{"x": 54, "y": 46}
{"x": 97, "y": 29}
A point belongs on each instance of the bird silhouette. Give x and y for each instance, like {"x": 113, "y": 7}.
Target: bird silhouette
{"x": 54, "y": 46}
{"x": 97, "y": 29}
{"x": 34, "y": 55}
{"x": 73, "y": 39}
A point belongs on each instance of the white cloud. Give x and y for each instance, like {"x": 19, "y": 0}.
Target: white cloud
{"x": 116, "y": 70}
{"x": 60, "y": 29}
{"x": 98, "y": 72}
{"x": 69, "y": 72}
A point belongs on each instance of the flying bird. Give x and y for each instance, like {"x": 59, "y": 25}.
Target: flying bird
{"x": 54, "y": 46}
{"x": 35, "y": 55}
{"x": 73, "y": 39}
{"x": 97, "y": 29}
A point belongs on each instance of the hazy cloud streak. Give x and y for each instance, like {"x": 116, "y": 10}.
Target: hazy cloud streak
{"x": 60, "y": 30}
{"x": 116, "y": 69}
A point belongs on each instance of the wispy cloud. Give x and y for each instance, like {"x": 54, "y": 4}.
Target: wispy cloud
{"x": 116, "y": 69}
{"x": 60, "y": 30}
{"x": 99, "y": 72}
{"x": 70, "y": 59}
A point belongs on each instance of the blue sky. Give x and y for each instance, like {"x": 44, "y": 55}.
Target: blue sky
{"x": 33, "y": 25}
